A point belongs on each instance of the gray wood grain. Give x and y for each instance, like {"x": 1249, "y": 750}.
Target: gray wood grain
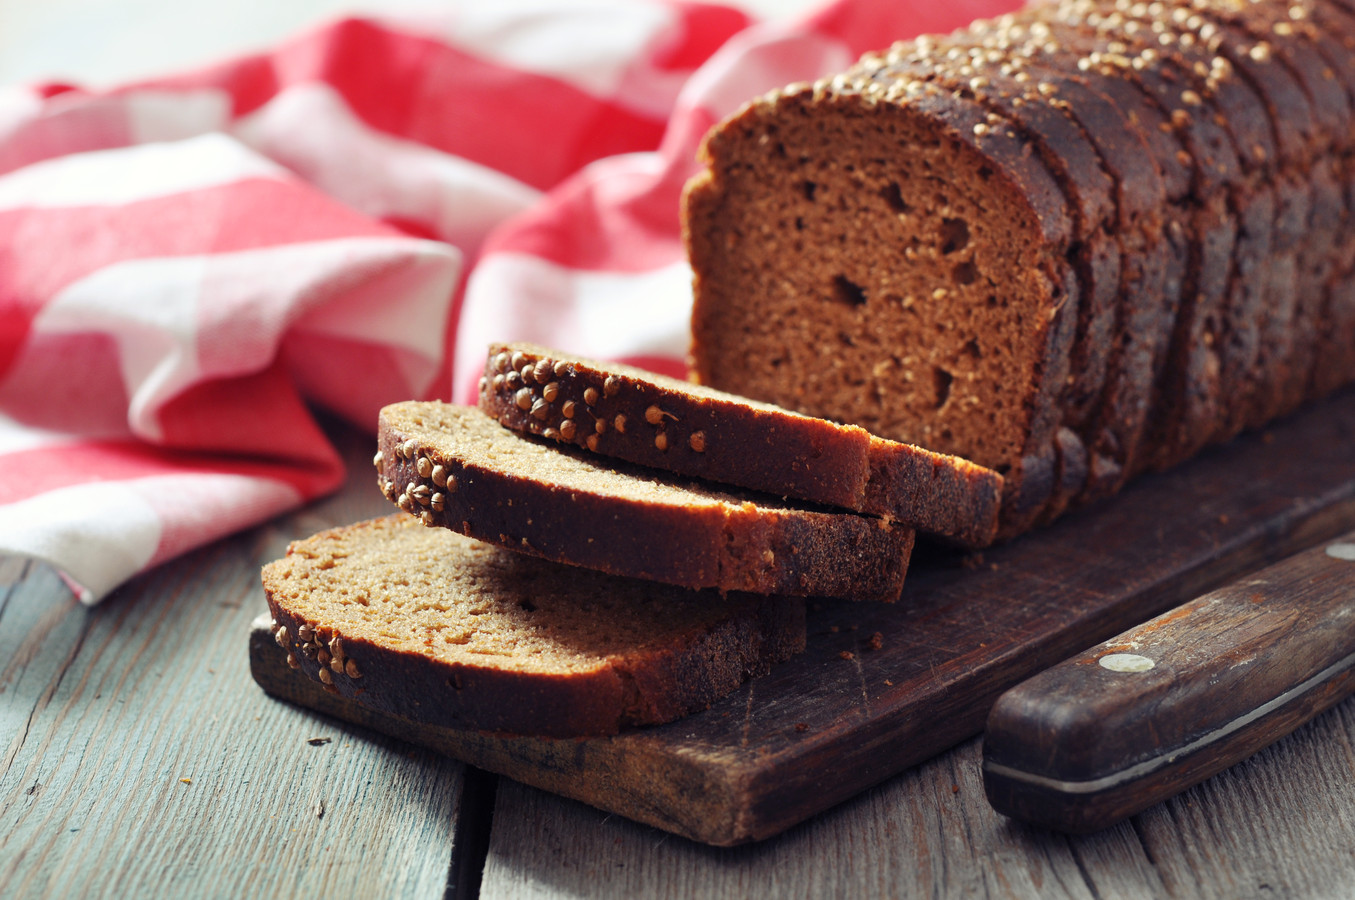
{"x": 1281, "y": 824}
{"x": 138, "y": 757}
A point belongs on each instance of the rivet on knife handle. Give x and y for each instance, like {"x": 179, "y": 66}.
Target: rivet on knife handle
{"x": 1177, "y": 699}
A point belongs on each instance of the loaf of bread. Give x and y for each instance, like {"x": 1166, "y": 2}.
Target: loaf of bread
{"x": 449, "y": 631}
{"x": 1073, "y": 244}
{"x": 649, "y": 419}
{"x": 455, "y": 467}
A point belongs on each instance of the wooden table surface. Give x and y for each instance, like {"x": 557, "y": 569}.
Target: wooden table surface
{"x": 139, "y": 758}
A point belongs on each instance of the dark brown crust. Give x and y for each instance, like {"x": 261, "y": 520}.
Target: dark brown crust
{"x": 694, "y": 667}
{"x": 605, "y": 517}
{"x": 679, "y": 427}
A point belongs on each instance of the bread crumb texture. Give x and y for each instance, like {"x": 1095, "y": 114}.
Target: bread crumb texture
{"x": 435, "y": 593}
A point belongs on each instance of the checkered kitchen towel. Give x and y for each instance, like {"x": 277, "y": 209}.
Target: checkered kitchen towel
{"x": 188, "y": 264}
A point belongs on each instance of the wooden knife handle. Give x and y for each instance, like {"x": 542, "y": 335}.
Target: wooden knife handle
{"x": 1177, "y": 699}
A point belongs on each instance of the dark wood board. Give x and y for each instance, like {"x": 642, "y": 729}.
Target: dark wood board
{"x": 843, "y": 717}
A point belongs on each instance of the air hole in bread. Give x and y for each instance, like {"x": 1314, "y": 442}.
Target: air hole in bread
{"x": 954, "y": 235}
{"x": 943, "y": 380}
{"x": 809, "y": 188}
{"x": 848, "y": 292}
{"x": 966, "y": 273}
{"x": 894, "y": 197}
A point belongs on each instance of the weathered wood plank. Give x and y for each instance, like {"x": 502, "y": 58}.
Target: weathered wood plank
{"x": 1281, "y": 824}
{"x": 138, "y": 757}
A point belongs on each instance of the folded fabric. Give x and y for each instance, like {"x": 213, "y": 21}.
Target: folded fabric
{"x": 190, "y": 264}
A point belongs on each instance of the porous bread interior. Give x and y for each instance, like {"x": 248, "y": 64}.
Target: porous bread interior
{"x": 466, "y": 434}
{"x": 434, "y": 593}
{"x": 861, "y": 265}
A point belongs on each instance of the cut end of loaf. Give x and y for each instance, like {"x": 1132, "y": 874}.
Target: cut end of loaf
{"x": 859, "y": 261}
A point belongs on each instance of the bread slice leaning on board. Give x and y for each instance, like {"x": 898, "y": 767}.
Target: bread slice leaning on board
{"x": 1073, "y": 244}
{"x": 437, "y": 627}
{"x": 676, "y": 426}
{"x": 455, "y": 467}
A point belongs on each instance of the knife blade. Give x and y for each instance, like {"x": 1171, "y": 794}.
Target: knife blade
{"x": 1169, "y": 703}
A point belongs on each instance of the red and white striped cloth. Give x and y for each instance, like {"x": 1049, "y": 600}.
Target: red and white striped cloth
{"x": 347, "y": 221}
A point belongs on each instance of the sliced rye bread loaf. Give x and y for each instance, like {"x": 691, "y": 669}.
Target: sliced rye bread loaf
{"x": 787, "y": 214}
{"x": 661, "y": 422}
{"x": 455, "y": 467}
{"x": 434, "y": 626}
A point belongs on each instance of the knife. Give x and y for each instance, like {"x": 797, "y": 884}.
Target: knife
{"x": 1177, "y": 699}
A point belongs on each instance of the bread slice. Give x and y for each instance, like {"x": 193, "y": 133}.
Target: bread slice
{"x": 454, "y": 466}
{"x": 650, "y": 419}
{"x": 434, "y": 626}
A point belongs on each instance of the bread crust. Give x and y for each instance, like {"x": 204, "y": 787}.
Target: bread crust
{"x": 709, "y": 646}
{"x": 455, "y": 467}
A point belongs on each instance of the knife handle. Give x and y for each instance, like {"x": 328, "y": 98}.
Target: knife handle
{"x": 1177, "y": 699}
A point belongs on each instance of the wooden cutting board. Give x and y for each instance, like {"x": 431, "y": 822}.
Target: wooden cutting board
{"x": 848, "y": 714}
